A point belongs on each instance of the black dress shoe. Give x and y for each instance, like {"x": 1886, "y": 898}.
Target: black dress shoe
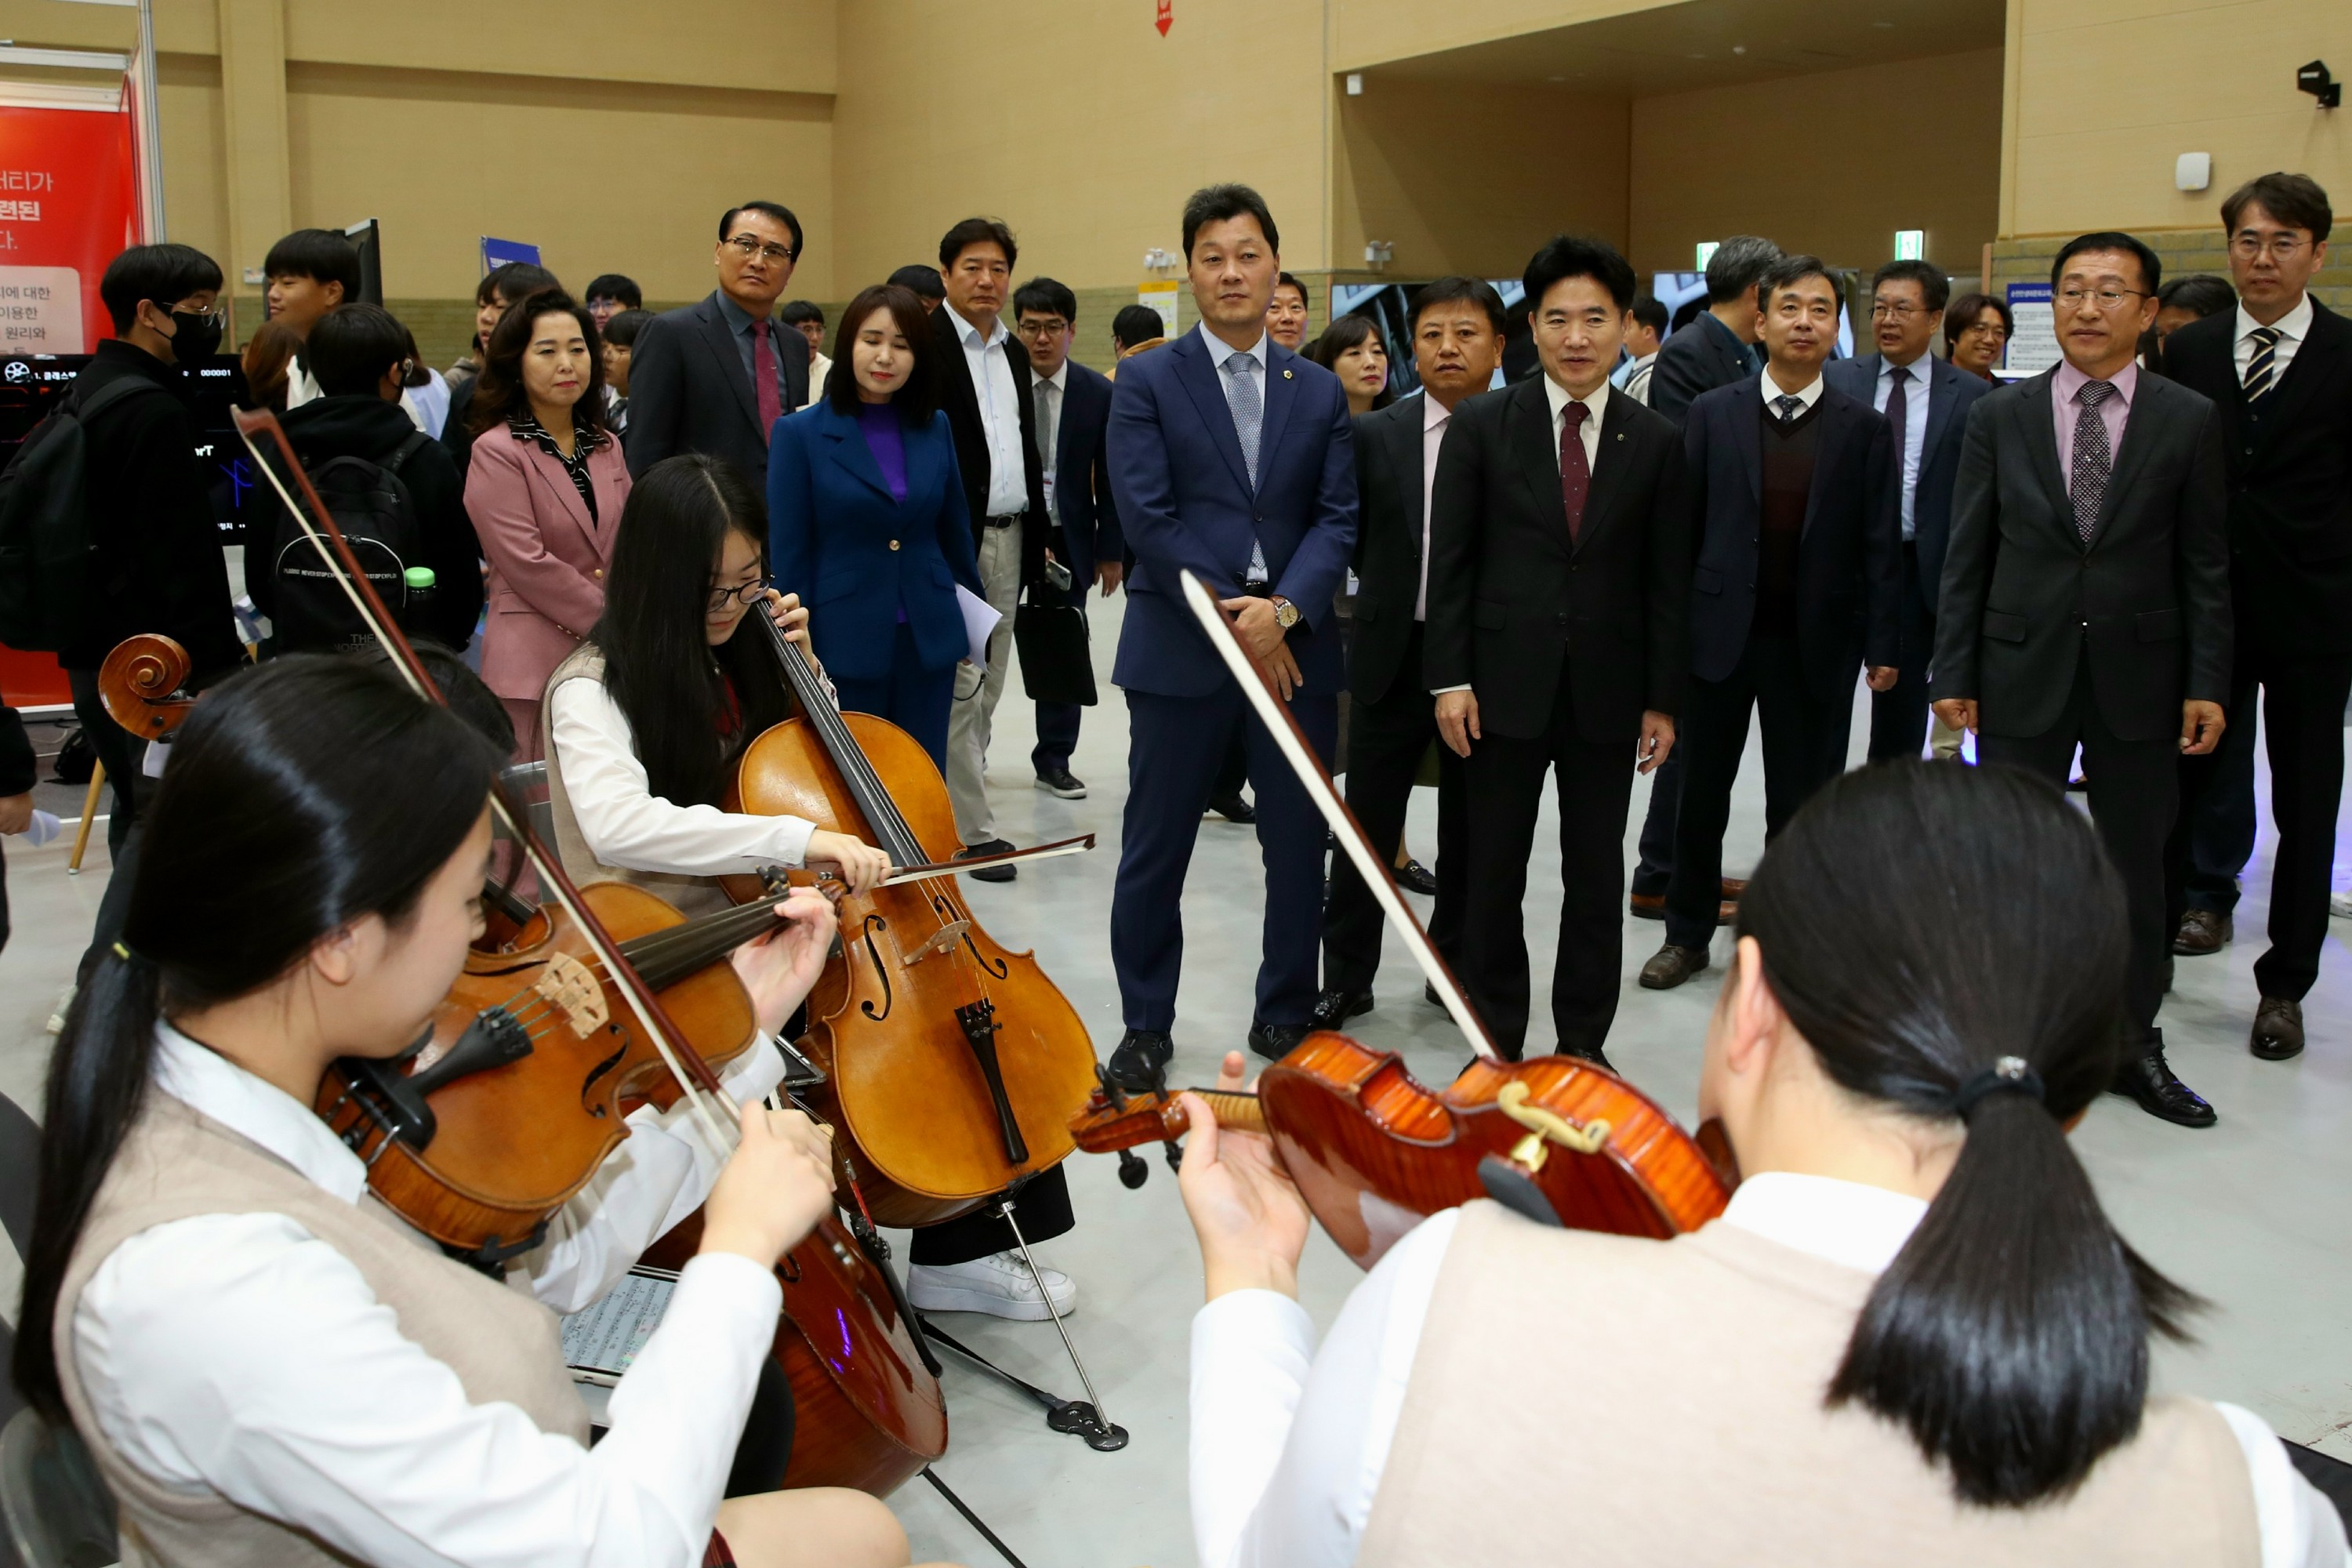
{"x": 2150, "y": 1080}
{"x": 1140, "y": 1066}
{"x": 1062, "y": 783}
{"x": 1595, "y": 1056}
{"x": 1415, "y": 878}
{"x": 1334, "y": 1008}
{"x": 992, "y": 873}
{"x": 1275, "y": 1041}
{"x": 1671, "y": 965}
{"x": 1234, "y": 808}
{"x": 2278, "y": 1029}
{"x": 1429, "y": 993}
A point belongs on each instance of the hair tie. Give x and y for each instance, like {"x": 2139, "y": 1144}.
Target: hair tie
{"x": 2010, "y": 1074}
{"x": 136, "y": 959}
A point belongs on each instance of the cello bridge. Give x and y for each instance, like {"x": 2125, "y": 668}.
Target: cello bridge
{"x": 572, "y": 990}
{"x": 940, "y": 941}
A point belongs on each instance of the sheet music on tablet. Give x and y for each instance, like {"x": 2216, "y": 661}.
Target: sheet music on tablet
{"x": 600, "y": 1342}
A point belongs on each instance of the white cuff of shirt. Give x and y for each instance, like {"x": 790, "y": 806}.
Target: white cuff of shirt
{"x": 1251, "y": 1353}
{"x": 1442, "y": 690}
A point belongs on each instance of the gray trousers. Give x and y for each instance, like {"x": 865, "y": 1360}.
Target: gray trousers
{"x": 977, "y": 691}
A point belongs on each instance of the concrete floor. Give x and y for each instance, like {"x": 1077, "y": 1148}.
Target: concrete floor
{"x": 2251, "y": 1213}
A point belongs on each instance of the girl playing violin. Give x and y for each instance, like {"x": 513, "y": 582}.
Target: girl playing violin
{"x": 644, "y": 724}
{"x": 267, "y": 1366}
{"x": 1913, "y": 1336}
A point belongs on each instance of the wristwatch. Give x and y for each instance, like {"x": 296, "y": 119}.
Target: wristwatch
{"x": 1286, "y": 614}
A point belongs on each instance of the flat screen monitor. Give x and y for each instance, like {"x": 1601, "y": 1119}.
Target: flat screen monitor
{"x": 31, "y": 384}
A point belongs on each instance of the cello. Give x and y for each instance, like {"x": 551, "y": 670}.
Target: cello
{"x": 1559, "y": 1140}
{"x": 952, "y": 1066}
{"x": 889, "y": 1409}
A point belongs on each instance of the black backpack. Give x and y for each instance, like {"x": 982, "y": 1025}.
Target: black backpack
{"x": 309, "y": 612}
{"x": 47, "y": 549}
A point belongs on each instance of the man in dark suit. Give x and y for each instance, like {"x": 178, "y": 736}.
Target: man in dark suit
{"x": 1927, "y": 420}
{"x": 2278, "y": 369}
{"x": 1071, "y": 405}
{"x": 1797, "y": 585}
{"x": 989, "y": 393}
{"x": 1715, "y": 348}
{"x": 1458, "y": 326}
{"x": 1559, "y": 588}
{"x": 714, "y": 377}
{"x": 1230, "y": 458}
{"x": 2085, "y": 599}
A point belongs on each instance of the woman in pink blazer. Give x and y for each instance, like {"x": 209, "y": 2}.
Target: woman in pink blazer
{"x": 545, "y": 491}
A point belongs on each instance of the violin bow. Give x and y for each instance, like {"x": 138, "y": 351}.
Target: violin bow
{"x": 1258, "y": 686}
{"x": 693, "y": 1073}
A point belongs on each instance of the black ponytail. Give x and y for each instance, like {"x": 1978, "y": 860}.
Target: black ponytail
{"x": 1921, "y": 923}
{"x": 301, "y": 795}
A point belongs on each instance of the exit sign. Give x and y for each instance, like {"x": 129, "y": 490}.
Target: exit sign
{"x": 1910, "y": 244}
{"x": 1707, "y": 249}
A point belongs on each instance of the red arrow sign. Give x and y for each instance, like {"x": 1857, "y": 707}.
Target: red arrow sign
{"x": 1167, "y": 17}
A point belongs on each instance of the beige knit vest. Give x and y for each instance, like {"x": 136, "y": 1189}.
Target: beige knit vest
{"x": 690, "y": 895}
{"x": 178, "y": 1163}
{"x": 1601, "y": 1399}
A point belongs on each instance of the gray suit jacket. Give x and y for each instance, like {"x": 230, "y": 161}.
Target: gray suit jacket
{"x": 2022, "y": 596}
{"x": 1950, "y": 395}
{"x": 688, "y": 393}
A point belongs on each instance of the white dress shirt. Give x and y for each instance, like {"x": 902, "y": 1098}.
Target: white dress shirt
{"x": 819, "y": 371}
{"x": 1288, "y": 1442}
{"x": 1258, "y": 354}
{"x": 1049, "y": 427}
{"x": 625, "y": 824}
{"x": 1915, "y": 422}
{"x": 1434, "y": 417}
{"x": 2292, "y": 328}
{"x": 238, "y": 1355}
{"x": 1000, "y": 413}
{"x": 1808, "y": 394}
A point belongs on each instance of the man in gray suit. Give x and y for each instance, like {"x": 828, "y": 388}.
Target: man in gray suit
{"x": 2087, "y": 600}
{"x": 715, "y": 377}
{"x": 1927, "y": 404}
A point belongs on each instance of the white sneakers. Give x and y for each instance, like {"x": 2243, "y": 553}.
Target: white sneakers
{"x": 999, "y": 1284}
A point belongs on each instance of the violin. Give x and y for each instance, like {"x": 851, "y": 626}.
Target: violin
{"x": 143, "y": 684}
{"x": 869, "y": 1398}
{"x": 1560, "y": 1140}
{"x": 952, "y": 1066}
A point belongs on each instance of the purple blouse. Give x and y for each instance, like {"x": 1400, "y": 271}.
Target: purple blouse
{"x": 886, "y": 438}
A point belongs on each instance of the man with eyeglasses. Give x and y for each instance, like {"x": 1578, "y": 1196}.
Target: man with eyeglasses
{"x": 2279, "y": 371}
{"x": 2086, "y": 601}
{"x": 715, "y": 377}
{"x": 1925, "y": 403}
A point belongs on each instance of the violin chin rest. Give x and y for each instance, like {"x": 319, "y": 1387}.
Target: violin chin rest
{"x": 1512, "y": 1188}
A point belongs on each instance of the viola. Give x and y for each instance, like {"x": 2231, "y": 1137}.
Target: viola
{"x": 1560, "y": 1140}
{"x": 952, "y": 1066}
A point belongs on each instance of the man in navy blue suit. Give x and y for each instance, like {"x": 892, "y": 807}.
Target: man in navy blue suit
{"x": 1926, "y": 405}
{"x": 1073, "y": 405}
{"x": 1230, "y": 458}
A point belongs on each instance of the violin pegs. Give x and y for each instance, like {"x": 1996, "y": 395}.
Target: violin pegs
{"x": 1132, "y": 1171}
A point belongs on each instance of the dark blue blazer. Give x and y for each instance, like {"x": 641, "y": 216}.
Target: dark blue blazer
{"x": 1185, "y": 503}
{"x": 1850, "y": 563}
{"x": 1950, "y": 394}
{"x": 1082, "y": 495}
{"x": 856, "y": 556}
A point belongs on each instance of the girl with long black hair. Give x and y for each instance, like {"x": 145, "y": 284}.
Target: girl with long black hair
{"x": 646, "y": 719}
{"x": 1911, "y": 1337}
{"x": 267, "y": 1366}
{"x": 644, "y": 723}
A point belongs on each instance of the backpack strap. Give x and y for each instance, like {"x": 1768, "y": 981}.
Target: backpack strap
{"x": 417, "y": 442}
{"x": 116, "y": 391}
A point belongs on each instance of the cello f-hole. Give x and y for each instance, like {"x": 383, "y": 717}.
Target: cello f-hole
{"x": 876, "y": 922}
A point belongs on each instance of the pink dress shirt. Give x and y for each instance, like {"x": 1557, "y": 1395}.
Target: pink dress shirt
{"x": 1434, "y": 418}
{"x": 2112, "y": 413}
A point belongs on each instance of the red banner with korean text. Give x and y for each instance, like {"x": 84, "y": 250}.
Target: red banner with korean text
{"x": 69, "y": 205}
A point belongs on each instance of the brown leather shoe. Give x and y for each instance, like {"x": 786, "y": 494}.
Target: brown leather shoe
{"x": 1732, "y": 887}
{"x": 2278, "y": 1029}
{"x": 1671, "y": 965}
{"x": 1647, "y": 906}
{"x": 2202, "y": 932}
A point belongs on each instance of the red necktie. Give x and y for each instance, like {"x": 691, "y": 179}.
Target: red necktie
{"x": 763, "y": 379}
{"x": 1575, "y": 476}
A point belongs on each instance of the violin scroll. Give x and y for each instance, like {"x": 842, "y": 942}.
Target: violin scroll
{"x": 140, "y": 684}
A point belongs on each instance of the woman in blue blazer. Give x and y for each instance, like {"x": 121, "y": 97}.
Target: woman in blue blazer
{"x": 866, "y": 521}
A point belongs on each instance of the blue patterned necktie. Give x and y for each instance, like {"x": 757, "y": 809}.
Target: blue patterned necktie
{"x": 1249, "y": 421}
{"x": 2261, "y": 369}
{"x": 2086, "y": 487}
{"x": 1790, "y": 407}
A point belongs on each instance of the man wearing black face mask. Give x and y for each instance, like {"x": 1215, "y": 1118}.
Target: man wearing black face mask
{"x": 158, "y": 564}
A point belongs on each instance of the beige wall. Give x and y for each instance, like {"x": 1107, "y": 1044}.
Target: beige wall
{"x": 2109, "y": 92}
{"x": 1480, "y": 197}
{"x": 1077, "y": 124}
{"x": 1854, "y": 183}
{"x": 1372, "y": 32}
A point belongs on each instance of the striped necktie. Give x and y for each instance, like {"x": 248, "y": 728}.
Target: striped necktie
{"x": 2261, "y": 369}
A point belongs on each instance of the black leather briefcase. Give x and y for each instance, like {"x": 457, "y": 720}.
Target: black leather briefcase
{"x": 1056, "y": 664}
